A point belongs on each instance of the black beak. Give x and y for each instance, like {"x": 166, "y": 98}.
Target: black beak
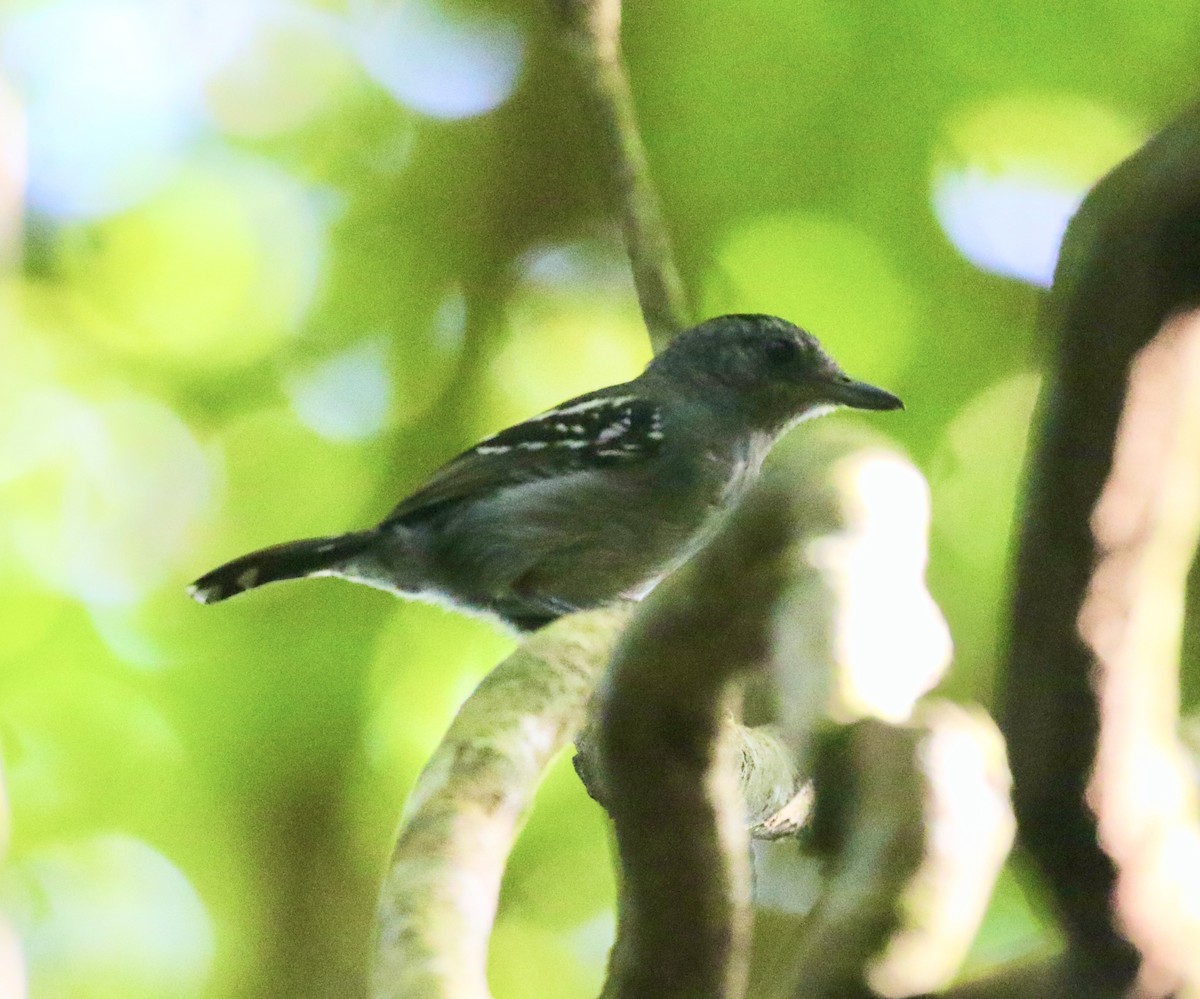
{"x": 859, "y": 395}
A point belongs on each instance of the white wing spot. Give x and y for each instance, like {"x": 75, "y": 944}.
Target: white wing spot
{"x": 248, "y": 578}
{"x": 573, "y": 442}
{"x": 533, "y": 445}
{"x": 327, "y": 547}
{"x": 612, "y": 431}
{"x": 493, "y": 448}
{"x": 583, "y": 407}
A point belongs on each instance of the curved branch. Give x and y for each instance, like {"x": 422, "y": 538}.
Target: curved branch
{"x": 911, "y": 826}
{"x": 1090, "y": 684}
{"x": 870, "y": 823}
{"x": 786, "y": 580}
{"x": 439, "y": 896}
{"x": 670, "y": 777}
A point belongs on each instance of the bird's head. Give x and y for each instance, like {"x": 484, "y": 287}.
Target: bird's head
{"x": 776, "y": 372}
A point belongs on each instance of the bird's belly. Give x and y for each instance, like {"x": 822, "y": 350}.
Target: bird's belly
{"x": 576, "y": 544}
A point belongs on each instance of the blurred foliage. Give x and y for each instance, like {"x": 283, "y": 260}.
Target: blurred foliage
{"x": 264, "y": 265}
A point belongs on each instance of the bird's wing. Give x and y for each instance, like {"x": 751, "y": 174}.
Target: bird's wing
{"x": 598, "y": 430}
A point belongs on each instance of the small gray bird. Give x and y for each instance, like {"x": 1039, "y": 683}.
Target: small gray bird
{"x": 596, "y": 499}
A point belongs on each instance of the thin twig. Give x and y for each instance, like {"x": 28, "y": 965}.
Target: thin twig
{"x": 592, "y": 29}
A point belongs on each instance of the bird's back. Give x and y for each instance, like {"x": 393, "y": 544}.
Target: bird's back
{"x": 574, "y": 541}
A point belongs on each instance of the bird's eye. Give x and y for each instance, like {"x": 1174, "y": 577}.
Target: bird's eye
{"x": 782, "y": 350}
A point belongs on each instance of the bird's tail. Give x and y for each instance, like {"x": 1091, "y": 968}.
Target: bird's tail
{"x": 291, "y": 560}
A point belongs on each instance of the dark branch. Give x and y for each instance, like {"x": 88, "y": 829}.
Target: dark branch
{"x": 1130, "y": 262}
{"x": 671, "y": 778}
{"x": 775, "y": 797}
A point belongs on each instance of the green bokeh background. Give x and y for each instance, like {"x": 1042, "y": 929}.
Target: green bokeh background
{"x": 326, "y": 287}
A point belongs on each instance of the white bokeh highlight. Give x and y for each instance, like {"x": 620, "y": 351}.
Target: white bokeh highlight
{"x": 116, "y": 92}
{"x": 441, "y": 64}
{"x": 109, "y": 908}
{"x": 1011, "y": 224}
{"x": 101, "y": 500}
{"x": 347, "y": 397}
{"x": 891, "y": 641}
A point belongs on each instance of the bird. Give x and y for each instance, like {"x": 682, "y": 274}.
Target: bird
{"x": 592, "y": 501}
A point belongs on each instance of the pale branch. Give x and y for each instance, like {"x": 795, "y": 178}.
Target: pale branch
{"x": 839, "y": 560}
{"x": 968, "y": 828}
{"x": 776, "y": 796}
{"x": 858, "y": 633}
{"x": 1050, "y": 978}
{"x": 869, "y": 821}
{"x": 439, "y": 896}
{"x": 592, "y": 31}
{"x": 1090, "y": 698}
{"x": 911, "y": 826}
{"x": 669, "y": 777}
{"x": 1145, "y": 525}
{"x": 920, "y": 809}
